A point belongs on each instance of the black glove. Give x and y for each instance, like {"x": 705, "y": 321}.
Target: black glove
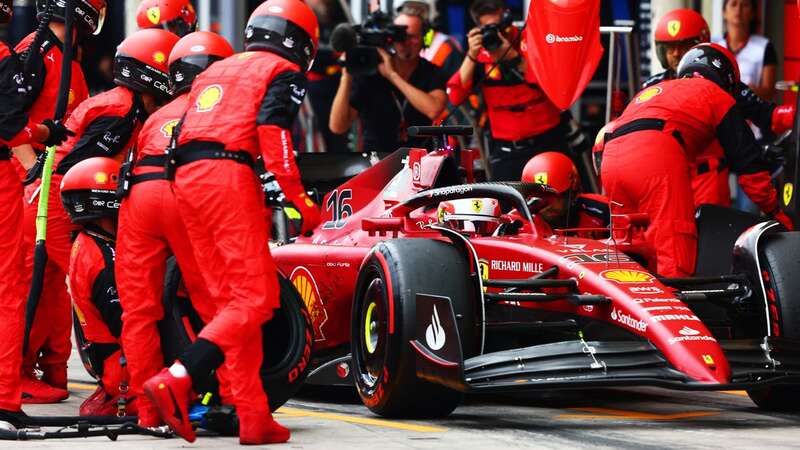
{"x": 57, "y": 133}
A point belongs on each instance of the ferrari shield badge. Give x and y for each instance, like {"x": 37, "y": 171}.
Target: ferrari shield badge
{"x": 788, "y": 190}
{"x": 674, "y": 27}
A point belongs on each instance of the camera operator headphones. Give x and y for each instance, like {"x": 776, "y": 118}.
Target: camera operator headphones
{"x": 427, "y": 27}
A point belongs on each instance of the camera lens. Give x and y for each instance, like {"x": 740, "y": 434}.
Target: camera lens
{"x": 491, "y": 37}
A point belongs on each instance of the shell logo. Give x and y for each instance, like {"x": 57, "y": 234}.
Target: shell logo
{"x": 674, "y": 27}
{"x": 209, "y": 98}
{"x": 245, "y": 55}
{"x": 648, "y": 94}
{"x": 168, "y": 127}
{"x": 159, "y": 57}
{"x": 627, "y": 276}
{"x": 101, "y": 177}
{"x": 154, "y": 15}
{"x": 540, "y": 178}
{"x": 304, "y": 282}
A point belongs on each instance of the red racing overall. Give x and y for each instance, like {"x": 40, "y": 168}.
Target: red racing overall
{"x": 104, "y": 125}
{"x": 50, "y": 334}
{"x": 240, "y": 107}
{"x": 13, "y": 132}
{"x": 646, "y": 162}
{"x": 150, "y": 230}
{"x": 97, "y": 307}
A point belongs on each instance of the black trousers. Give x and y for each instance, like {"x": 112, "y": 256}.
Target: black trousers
{"x": 508, "y": 158}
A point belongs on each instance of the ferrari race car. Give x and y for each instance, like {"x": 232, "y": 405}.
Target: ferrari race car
{"x": 416, "y": 304}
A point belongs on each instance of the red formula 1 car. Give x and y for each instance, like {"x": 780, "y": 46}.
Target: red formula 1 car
{"x": 416, "y": 310}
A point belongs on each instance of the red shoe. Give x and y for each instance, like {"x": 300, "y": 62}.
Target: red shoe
{"x": 55, "y": 375}
{"x": 100, "y": 403}
{"x": 171, "y": 396}
{"x": 39, "y": 392}
{"x": 148, "y": 418}
{"x": 261, "y": 428}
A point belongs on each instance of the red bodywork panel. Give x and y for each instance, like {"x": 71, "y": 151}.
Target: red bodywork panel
{"x": 325, "y": 267}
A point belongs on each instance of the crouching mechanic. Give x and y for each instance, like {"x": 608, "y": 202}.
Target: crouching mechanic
{"x": 677, "y": 32}
{"x": 646, "y": 158}
{"x": 239, "y": 108}
{"x": 88, "y": 192}
{"x": 104, "y": 125}
{"x": 571, "y": 208}
{"x": 150, "y": 228}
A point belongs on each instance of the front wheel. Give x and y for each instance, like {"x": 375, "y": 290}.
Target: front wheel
{"x": 384, "y": 322}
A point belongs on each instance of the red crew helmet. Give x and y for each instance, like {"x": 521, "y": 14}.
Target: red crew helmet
{"x": 89, "y": 189}
{"x": 141, "y": 62}
{"x": 89, "y": 14}
{"x": 553, "y": 169}
{"x": 176, "y": 16}
{"x": 193, "y": 54}
{"x": 288, "y": 28}
{"x": 712, "y": 62}
{"x": 679, "y": 27}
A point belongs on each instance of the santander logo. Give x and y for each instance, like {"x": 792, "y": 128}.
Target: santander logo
{"x": 686, "y": 331}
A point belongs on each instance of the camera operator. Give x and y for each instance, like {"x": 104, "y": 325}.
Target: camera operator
{"x": 406, "y": 90}
{"x": 522, "y": 120}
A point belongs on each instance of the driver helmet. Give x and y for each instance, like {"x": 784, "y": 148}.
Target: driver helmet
{"x": 89, "y": 190}
{"x": 472, "y": 215}
{"x": 554, "y": 169}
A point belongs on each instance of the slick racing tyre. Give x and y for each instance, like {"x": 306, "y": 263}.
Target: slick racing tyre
{"x": 781, "y": 257}
{"x": 287, "y": 339}
{"x": 384, "y": 363}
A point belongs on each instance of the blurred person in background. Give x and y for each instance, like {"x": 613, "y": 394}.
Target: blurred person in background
{"x": 407, "y": 90}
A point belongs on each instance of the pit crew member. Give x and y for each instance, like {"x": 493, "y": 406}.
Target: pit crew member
{"x": 675, "y": 34}
{"x": 522, "y": 120}
{"x": 104, "y": 125}
{"x": 239, "y": 107}
{"x": 150, "y": 228}
{"x": 646, "y": 157}
{"x": 16, "y": 128}
{"x": 42, "y": 75}
{"x": 88, "y": 192}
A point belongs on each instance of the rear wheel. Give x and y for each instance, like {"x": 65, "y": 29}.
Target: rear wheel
{"x": 287, "y": 338}
{"x": 384, "y": 365}
{"x": 781, "y": 257}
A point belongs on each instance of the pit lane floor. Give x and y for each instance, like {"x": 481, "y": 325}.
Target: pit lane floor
{"x": 635, "y": 418}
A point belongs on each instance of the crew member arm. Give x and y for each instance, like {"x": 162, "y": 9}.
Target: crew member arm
{"x": 278, "y": 109}
{"x": 342, "y": 113}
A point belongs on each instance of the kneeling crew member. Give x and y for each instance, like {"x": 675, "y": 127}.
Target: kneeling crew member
{"x": 88, "y": 192}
